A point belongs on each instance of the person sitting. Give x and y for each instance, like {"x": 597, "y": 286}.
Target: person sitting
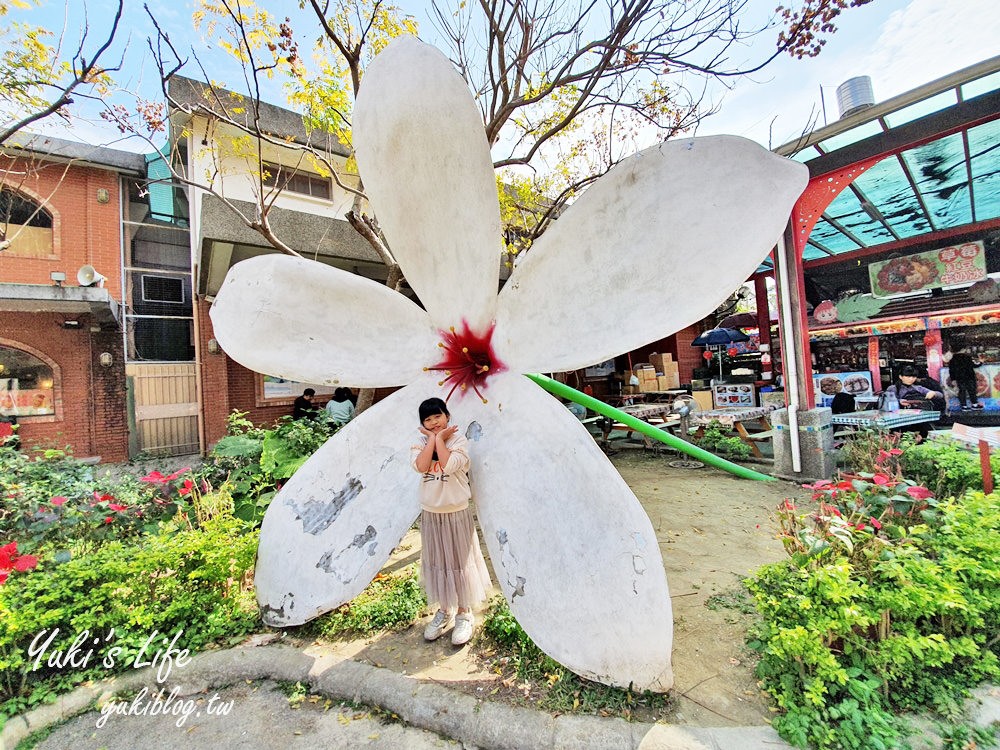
{"x": 340, "y": 408}
{"x": 303, "y": 407}
{"x": 913, "y": 396}
{"x": 843, "y": 403}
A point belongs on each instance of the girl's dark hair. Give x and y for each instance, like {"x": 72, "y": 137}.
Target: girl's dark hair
{"x": 433, "y": 406}
{"x": 342, "y": 394}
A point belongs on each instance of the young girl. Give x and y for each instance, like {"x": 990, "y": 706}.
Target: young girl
{"x": 452, "y": 567}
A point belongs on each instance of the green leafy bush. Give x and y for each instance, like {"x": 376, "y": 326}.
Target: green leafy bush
{"x": 716, "y": 440}
{"x": 947, "y": 467}
{"x": 557, "y": 688}
{"x": 255, "y": 461}
{"x": 885, "y": 604}
{"x": 388, "y": 603}
{"x": 54, "y": 501}
{"x": 195, "y": 581}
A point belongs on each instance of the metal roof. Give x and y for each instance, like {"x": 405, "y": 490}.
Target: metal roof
{"x": 940, "y": 171}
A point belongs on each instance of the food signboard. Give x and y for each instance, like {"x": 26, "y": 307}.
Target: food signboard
{"x": 26, "y": 403}
{"x": 933, "y": 269}
{"x": 828, "y": 385}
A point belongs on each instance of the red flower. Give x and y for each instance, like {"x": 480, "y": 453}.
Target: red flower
{"x": 154, "y": 477}
{"x": 860, "y": 526}
{"x": 789, "y": 505}
{"x": 11, "y": 561}
{"x": 177, "y": 474}
{"x": 919, "y": 493}
{"x": 875, "y": 523}
{"x": 820, "y": 485}
{"x": 186, "y": 489}
{"x": 25, "y": 563}
{"x": 895, "y": 452}
{"x": 109, "y": 519}
{"x": 117, "y": 508}
{"x": 98, "y": 498}
{"x": 881, "y": 480}
{"x": 58, "y": 500}
{"x": 7, "y": 554}
{"x": 836, "y": 512}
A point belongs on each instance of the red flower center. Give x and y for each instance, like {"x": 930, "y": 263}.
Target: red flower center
{"x": 468, "y": 360}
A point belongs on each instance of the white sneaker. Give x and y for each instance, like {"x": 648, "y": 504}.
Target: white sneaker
{"x": 463, "y": 629}
{"x": 438, "y": 626}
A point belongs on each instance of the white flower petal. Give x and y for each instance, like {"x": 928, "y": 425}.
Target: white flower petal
{"x": 651, "y": 247}
{"x": 332, "y": 526}
{"x": 423, "y": 157}
{"x": 306, "y": 321}
{"x": 575, "y": 553}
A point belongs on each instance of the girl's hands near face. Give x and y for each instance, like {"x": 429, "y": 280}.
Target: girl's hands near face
{"x": 447, "y": 432}
{"x": 426, "y": 432}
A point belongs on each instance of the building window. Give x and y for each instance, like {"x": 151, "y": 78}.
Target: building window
{"x": 287, "y": 178}
{"x": 25, "y": 224}
{"x": 26, "y": 384}
{"x": 163, "y": 289}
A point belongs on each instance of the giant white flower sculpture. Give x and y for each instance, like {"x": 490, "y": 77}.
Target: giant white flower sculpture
{"x": 653, "y": 246}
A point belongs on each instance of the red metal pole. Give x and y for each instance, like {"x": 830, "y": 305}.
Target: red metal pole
{"x": 984, "y": 465}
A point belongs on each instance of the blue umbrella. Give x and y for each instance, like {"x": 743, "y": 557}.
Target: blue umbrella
{"x": 719, "y": 338}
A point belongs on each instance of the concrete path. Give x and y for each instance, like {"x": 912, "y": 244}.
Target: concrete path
{"x": 229, "y": 699}
{"x": 259, "y": 716}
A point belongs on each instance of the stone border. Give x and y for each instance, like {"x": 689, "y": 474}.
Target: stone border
{"x": 425, "y": 705}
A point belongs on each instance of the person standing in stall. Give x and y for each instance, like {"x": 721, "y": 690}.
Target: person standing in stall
{"x": 962, "y": 369}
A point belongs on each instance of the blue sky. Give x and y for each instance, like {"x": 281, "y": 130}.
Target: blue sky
{"x": 899, "y": 43}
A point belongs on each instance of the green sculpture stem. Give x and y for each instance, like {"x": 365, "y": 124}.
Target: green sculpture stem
{"x": 564, "y": 391}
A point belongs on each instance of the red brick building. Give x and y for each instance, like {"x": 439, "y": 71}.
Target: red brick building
{"x": 61, "y": 348}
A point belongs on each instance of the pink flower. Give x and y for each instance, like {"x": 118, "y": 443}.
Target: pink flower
{"x": 875, "y": 523}
{"x": 860, "y": 526}
{"x": 186, "y": 489}
{"x": 820, "y": 485}
{"x": 154, "y": 477}
{"x": 789, "y": 505}
{"x": 881, "y": 480}
{"x": 117, "y": 508}
{"x": 895, "y": 452}
{"x": 919, "y": 493}
{"x": 99, "y": 498}
{"x": 58, "y": 500}
{"x": 177, "y": 474}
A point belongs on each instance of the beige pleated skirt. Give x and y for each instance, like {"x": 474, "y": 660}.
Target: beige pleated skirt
{"x": 452, "y": 568}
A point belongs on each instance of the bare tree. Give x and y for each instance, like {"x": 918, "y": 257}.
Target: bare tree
{"x": 36, "y": 80}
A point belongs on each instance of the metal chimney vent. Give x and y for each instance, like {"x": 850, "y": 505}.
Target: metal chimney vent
{"x": 854, "y": 95}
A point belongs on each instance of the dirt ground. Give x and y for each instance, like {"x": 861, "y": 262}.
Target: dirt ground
{"x": 713, "y": 530}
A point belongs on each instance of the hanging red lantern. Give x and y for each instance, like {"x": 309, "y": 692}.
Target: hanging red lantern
{"x": 732, "y": 351}
{"x": 706, "y": 355}
{"x": 930, "y": 339}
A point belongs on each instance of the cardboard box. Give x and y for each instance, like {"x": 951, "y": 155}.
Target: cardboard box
{"x": 644, "y": 372}
{"x": 662, "y": 362}
{"x": 669, "y": 382}
{"x": 704, "y": 399}
{"x": 648, "y": 386}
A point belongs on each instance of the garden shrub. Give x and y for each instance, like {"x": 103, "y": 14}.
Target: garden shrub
{"x": 388, "y": 603}
{"x": 947, "y": 467}
{"x": 193, "y": 580}
{"x": 54, "y": 501}
{"x": 890, "y": 600}
{"x": 715, "y": 440}
{"x": 255, "y": 461}
{"x": 558, "y": 688}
